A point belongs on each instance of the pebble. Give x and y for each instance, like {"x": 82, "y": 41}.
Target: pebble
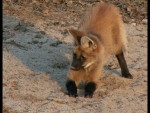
{"x": 39, "y": 36}
{"x": 69, "y": 3}
{"x": 144, "y": 21}
{"x": 134, "y": 24}
{"x": 128, "y": 9}
{"x": 132, "y": 20}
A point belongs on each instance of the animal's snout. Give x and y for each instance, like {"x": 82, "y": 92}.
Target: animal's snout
{"x": 76, "y": 65}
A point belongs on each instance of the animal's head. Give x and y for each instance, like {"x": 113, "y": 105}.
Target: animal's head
{"x": 86, "y": 51}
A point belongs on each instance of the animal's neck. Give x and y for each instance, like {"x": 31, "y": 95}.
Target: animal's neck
{"x": 93, "y": 68}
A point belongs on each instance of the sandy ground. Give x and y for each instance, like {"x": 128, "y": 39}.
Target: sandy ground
{"x": 35, "y": 66}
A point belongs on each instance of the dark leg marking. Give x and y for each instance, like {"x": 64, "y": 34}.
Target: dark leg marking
{"x": 124, "y": 69}
{"x": 89, "y": 89}
{"x": 71, "y": 88}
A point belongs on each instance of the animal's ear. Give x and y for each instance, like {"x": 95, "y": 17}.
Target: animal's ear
{"x": 76, "y": 34}
{"x": 86, "y": 42}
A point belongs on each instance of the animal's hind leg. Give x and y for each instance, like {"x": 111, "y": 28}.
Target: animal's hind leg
{"x": 124, "y": 69}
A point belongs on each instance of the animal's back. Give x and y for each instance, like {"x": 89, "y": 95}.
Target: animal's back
{"x": 105, "y": 21}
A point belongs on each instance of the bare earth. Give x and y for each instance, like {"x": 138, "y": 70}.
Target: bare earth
{"x": 35, "y": 66}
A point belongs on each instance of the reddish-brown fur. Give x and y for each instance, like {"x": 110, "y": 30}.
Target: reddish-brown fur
{"x": 105, "y": 20}
{"x": 104, "y": 26}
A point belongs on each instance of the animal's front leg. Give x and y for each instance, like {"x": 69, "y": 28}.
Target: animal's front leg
{"x": 71, "y": 88}
{"x": 90, "y": 87}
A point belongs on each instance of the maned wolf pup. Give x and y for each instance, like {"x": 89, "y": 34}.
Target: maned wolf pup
{"x": 100, "y": 33}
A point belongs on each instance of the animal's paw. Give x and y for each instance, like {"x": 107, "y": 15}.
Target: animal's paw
{"x": 72, "y": 94}
{"x": 89, "y": 89}
{"x": 129, "y": 76}
{"x": 71, "y": 88}
{"x": 88, "y": 95}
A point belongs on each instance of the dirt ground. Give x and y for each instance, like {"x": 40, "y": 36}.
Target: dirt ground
{"x": 36, "y": 56}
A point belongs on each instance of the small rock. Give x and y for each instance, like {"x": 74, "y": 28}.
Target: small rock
{"x": 56, "y": 23}
{"x": 39, "y": 39}
{"x": 43, "y": 32}
{"x": 39, "y": 36}
{"x": 128, "y": 9}
{"x": 56, "y": 44}
{"x": 70, "y": 3}
{"x": 132, "y": 20}
{"x": 75, "y": 19}
{"x": 35, "y": 41}
{"x": 137, "y": 66}
{"x": 126, "y": 19}
{"x": 63, "y": 24}
{"x": 21, "y": 27}
{"x": 144, "y": 21}
{"x": 134, "y": 24}
{"x": 64, "y": 32}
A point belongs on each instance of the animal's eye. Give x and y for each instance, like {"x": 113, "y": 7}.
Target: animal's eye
{"x": 82, "y": 58}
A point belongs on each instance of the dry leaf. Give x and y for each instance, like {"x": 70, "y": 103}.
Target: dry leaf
{"x": 46, "y": 11}
{"x": 63, "y": 90}
{"x": 14, "y": 84}
{"x": 57, "y": 1}
{"x": 8, "y": 0}
{"x": 129, "y": 9}
{"x": 129, "y": 39}
{"x": 61, "y": 38}
{"x": 13, "y": 32}
{"x": 4, "y": 84}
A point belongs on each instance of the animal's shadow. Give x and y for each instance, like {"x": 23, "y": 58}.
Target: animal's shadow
{"x": 37, "y": 50}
